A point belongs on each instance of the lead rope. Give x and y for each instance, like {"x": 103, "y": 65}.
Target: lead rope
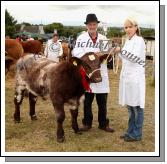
{"x": 90, "y": 74}
{"x": 115, "y": 66}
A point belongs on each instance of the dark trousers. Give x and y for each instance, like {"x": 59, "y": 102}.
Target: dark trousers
{"x": 101, "y": 100}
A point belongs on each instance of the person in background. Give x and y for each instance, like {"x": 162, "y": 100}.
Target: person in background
{"x": 132, "y": 80}
{"x": 53, "y": 49}
{"x": 7, "y": 37}
{"x": 18, "y": 38}
{"x": 30, "y": 38}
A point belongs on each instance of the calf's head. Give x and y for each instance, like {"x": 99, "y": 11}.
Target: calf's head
{"x": 91, "y": 64}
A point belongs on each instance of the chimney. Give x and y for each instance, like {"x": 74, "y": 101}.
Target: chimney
{"x": 22, "y": 27}
{"x": 55, "y": 31}
{"x": 41, "y": 30}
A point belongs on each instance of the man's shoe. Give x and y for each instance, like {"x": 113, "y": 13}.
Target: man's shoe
{"x": 85, "y": 128}
{"x": 130, "y": 139}
{"x": 107, "y": 129}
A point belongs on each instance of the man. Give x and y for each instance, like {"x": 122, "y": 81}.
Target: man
{"x": 18, "y": 38}
{"x": 53, "y": 49}
{"x": 29, "y": 38}
{"x": 87, "y": 42}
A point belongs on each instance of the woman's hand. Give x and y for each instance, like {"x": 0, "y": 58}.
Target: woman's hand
{"x": 117, "y": 50}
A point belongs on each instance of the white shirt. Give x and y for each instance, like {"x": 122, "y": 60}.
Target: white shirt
{"x": 84, "y": 40}
{"x": 53, "y": 50}
{"x": 132, "y": 76}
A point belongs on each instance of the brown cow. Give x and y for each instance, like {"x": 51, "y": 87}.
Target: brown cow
{"x": 64, "y": 82}
{"x": 66, "y": 52}
{"x": 32, "y": 46}
{"x": 13, "y": 51}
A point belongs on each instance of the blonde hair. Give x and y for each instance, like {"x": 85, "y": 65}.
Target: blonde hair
{"x": 134, "y": 23}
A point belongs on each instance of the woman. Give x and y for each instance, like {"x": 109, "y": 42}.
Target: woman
{"x": 132, "y": 80}
{"x": 53, "y": 49}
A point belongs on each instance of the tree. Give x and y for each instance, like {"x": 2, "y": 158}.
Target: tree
{"x": 51, "y": 27}
{"x": 72, "y": 30}
{"x": 147, "y": 32}
{"x": 10, "y": 23}
{"x": 115, "y": 32}
{"x": 26, "y": 23}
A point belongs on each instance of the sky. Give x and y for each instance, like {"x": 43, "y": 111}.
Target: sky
{"x": 74, "y": 15}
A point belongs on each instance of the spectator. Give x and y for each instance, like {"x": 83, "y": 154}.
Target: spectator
{"x": 7, "y": 37}
{"x": 18, "y": 38}
{"x": 53, "y": 49}
{"x": 30, "y": 38}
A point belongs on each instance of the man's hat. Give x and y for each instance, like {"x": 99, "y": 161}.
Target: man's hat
{"x": 91, "y": 18}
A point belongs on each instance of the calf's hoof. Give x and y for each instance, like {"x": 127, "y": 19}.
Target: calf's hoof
{"x": 78, "y": 132}
{"x": 17, "y": 121}
{"x": 61, "y": 140}
{"x": 34, "y": 117}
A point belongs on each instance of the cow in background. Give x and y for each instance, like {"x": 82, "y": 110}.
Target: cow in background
{"x": 13, "y": 51}
{"x": 66, "y": 52}
{"x": 33, "y": 46}
{"x": 67, "y": 48}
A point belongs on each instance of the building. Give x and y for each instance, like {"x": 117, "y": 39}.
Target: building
{"x": 150, "y": 47}
{"x": 38, "y": 29}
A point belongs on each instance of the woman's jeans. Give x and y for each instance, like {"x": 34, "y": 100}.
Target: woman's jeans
{"x": 135, "y": 123}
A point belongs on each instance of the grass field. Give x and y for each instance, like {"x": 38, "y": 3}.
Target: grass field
{"x": 40, "y": 135}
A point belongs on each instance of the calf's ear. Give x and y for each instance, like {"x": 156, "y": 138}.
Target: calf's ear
{"x": 103, "y": 57}
{"x": 75, "y": 61}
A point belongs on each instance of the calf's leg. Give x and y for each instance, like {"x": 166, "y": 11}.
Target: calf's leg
{"x": 60, "y": 118}
{"x": 18, "y": 98}
{"x": 74, "y": 115}
{"x": 32, "y": 102}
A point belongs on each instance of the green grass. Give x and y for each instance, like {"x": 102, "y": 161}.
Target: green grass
{"x": 40, "y": 135}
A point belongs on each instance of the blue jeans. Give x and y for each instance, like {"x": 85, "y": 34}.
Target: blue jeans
{"x": 135, "y": 123}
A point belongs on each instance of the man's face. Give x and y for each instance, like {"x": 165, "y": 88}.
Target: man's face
{"x": 92, "y": 27}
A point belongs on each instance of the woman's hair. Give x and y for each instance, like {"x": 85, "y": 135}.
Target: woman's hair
{"x": 55, "y": 34}
{"x": 134, "y": 23}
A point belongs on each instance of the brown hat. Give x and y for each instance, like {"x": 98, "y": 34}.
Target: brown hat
{"x": 91, "y": 18}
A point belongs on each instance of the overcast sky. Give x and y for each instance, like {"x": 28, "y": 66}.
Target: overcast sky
{"x": 113, "y": 15}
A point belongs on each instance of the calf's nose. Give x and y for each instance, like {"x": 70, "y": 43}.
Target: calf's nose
{"x": 99, "y": 79}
